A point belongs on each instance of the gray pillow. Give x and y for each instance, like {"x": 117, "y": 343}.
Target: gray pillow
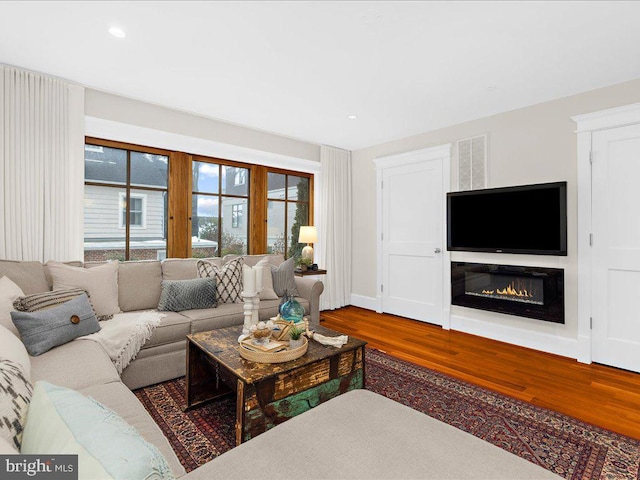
{"x": 179, "y": 295}
{"x": 41, "y": 331}
{"x": 284, "y": 279}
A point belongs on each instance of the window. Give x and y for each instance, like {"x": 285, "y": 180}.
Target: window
{"x": 287, "y": 210}
{"x": 236, "y": 215}
{"x": 137, "y": 209}
{"x": 218, "y": 204}
{"x": 126, "y": 201}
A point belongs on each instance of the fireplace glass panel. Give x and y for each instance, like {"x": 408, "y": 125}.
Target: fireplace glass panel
{"x": 533, "y": 292}
{"x": 504, "y": 287}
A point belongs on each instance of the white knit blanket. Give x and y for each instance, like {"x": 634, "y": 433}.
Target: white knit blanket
{"x": 122, "y": 337}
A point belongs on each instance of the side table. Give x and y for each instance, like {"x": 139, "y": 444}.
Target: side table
{"x": 309, "y": 272}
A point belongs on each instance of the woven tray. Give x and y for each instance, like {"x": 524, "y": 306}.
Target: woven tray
{"x": 276, "y": 357}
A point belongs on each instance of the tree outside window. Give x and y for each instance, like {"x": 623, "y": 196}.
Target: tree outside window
{"x": 288, "y": 210}
{"x": 218, "y": 204}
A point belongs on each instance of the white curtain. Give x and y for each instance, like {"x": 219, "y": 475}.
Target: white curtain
{"x": 41, "y": 167}
{"x": 334, "y": 228}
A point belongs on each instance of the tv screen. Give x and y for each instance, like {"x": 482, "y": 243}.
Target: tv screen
{"x": 524, "y": 219}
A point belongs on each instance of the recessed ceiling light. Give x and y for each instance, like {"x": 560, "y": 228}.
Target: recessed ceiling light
{"x": 352, "y": 117}
{"x": 117, "y": 32}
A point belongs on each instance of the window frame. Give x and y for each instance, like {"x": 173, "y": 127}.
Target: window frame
{"x": 287, "y": 202}
{"x": 221, "y": 195}
{"x": 179, "y": 191}
{"x": 128, "y": 187}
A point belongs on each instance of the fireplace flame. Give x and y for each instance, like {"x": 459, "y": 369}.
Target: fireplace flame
{"x": 511, "y": 290}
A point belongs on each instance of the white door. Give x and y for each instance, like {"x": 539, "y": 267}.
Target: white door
{"x": 412, "y": 235}
{"x": 616, "y": 247}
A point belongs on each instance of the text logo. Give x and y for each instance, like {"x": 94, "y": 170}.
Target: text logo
{"x": 20, "y": 467}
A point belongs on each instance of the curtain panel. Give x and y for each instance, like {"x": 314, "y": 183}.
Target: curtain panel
{"x": 335, "y": 226}
{"x": 41, "y": 167}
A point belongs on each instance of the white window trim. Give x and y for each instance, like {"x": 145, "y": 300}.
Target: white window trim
{"x": 239, "y": 208}
{"x": 121, "y": 199}
{"x": 240, "y": 179}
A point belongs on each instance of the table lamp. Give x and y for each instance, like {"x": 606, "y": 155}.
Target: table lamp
{"x": 308, "y": 235}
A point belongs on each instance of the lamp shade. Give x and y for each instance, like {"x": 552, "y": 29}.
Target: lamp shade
{"x": 308, "y": 235}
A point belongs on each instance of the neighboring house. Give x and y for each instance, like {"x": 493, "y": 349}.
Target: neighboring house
{"x": 105, "y": 214}
{"x": 105, "y": 211}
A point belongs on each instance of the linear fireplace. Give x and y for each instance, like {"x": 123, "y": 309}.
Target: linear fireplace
{"x": 524, "y": 291}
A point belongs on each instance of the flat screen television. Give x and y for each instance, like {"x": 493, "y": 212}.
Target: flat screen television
{"x": 528, "y": 219}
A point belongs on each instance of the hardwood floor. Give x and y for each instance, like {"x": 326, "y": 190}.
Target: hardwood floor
{"x": 597, "y": 394}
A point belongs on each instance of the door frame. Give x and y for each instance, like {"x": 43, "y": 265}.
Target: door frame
{"x": 442, "y": 153}
{"x": 587, "y": 124}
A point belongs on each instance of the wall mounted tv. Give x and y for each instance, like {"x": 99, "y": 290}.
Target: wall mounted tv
{"x": 528, "y": 219}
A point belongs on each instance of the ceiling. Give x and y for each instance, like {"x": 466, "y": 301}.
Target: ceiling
{"x": 300, "y": 68}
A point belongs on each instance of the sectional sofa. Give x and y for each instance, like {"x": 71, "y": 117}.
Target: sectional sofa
{"x": 356, "y": 435}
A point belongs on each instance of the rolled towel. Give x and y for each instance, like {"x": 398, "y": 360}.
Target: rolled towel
{"x": 331, "y": 341}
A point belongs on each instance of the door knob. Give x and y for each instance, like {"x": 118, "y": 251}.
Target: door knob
{"x": 437, "y": 250}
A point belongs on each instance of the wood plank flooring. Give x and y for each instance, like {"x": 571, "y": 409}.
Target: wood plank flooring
{"x": 597, "y": 394}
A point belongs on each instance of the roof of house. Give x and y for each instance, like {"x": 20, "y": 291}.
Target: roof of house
{"x": 109, "y": 165}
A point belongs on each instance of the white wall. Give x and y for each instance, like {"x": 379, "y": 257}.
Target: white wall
{"x": 115, "y": 108}
{"x": 530, "y": 145}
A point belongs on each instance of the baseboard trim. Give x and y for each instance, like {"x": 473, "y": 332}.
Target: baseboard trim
{"x": 566, "y": 347}
{"x": 370, "y": 303}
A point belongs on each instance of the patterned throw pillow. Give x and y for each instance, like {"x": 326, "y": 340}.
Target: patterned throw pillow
{"x": 228, "y": 279}
{"x": 179, "y": 295}
{"x": 15, "y": 395}
{"x": 284, "y": 279}
{"x": 42, "y": 301}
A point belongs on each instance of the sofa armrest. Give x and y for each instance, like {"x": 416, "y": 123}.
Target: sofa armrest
{"x": 310, "y": 289}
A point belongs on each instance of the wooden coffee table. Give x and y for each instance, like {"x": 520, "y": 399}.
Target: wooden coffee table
{"x": 269, "y": 394}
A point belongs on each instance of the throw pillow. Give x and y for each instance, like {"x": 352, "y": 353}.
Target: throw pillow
{"x": 264, "y": 280}
{"x": 284, "y": 278}
{"x": 63, "y": 421}
{"x": 15, "y": 394}
{"x": 42, "y": 301}
{"x": 101, "y": 282}
{"x": 179, "y": 295}
{"x": 9, "y": 291}
{"x": 228, "y": 279}
{"x": 12, "y": 348}
{"x": 43, "y": 330}
{"x": 7, "y": 448}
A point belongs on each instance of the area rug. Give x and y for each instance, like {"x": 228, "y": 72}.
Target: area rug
{"x": 564, "y": 445}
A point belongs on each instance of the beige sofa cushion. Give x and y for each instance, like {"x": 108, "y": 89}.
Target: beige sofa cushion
{"x": 225, "y": 315}
{"x": 252, "y": 260}
{"x": 74, "y": 365}
{"x": 9, "y": 292}
{"x": 139, "y": 285}
{"x": 29, "y": 276}
{"x": 173, "y": 328}
{"x": 184, "y": 268}
{"x": 11, "y": 348}
{"x": 228, "y": 315}
{"x": 101, "y": 281}
{"x": 121, "y": 400}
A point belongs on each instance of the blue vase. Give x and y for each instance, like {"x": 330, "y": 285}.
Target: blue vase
{"x": 283, "y": 301}
{"x": 292, "y": 310}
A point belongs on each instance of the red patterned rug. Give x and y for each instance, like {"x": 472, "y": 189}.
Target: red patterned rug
{"x": 564, "y": 445}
